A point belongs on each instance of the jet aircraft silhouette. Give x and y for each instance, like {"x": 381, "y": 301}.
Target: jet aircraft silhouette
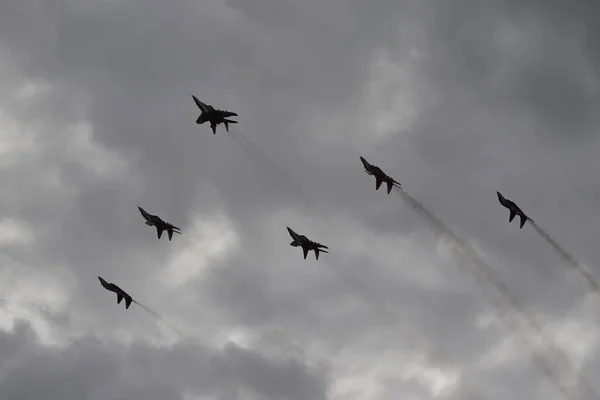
{"x": 155, "y": 220}
{"x": 306, "y": 244}
{"x": 120, "y": 292}
{"x": 379, "y": 175}
{"x": 514, "y": 210}
{"x": 214, "y": 116}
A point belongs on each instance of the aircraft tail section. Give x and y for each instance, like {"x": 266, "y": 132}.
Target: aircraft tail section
{"x": 128, "y": 301}
{"x": 226, "y": 122}
{"x": 170, "y": 233}
{"x": 390, "y": 185}
{"x": 523, "y": 220}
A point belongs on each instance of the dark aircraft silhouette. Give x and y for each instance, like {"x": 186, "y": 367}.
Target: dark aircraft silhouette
{"x": 120, "y": 292}
{"x": 379, "y": 175}
{"x": 214, "y": 116}
{"x": 154, "y": 220}
{"x": 514, "y": 210}
{"x": 306, "y": 244}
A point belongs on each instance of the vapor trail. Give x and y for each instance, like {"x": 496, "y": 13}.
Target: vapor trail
{"x": 552, "y": 374}
{"x": 431, "y": 350}
{"x": 158, "y": 317}
{"x": 568, "y": 258}
{"x": 270, "y": 167}
{"x": 266, "y": 163}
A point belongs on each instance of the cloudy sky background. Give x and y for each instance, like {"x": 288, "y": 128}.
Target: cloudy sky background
{"x": 455, "y": 99}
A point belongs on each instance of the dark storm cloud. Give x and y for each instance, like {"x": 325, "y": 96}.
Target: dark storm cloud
{"x": 506, "y": 101}
{"x": 89, "y": 368}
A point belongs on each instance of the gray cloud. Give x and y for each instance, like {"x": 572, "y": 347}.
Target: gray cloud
{"x": 89, "y": 368}
{"x": 98, "y": 118}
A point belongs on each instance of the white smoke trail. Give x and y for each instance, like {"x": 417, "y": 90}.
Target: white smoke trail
{"x": 568, "y": 258}
{"x": 431, "y": 350}
{"x": 158, "y": 317}
{"x": 267, "y": 164}
{"x": 271, "y": 168}
{"x": 552, "y": 374}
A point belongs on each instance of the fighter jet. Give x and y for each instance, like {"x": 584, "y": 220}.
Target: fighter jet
{"x": 514, "y": 210}
{"x": 214, "y": 116}
{"x": 154, "y": 220}
{"x": 379, "y": 175}
{"x": 306, "y": 244}
{"x": 120, "y": 292}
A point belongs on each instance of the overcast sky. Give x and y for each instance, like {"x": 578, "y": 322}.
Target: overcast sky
{"x": 456, "y": 99}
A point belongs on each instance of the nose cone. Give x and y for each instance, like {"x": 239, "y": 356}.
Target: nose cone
{"x": 102, "y": 281}
{"x": 500, "y": 197}
{"x": 365, "y": 163}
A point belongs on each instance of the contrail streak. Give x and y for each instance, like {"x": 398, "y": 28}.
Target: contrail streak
{"x": 276, "y": 173}
{"x": 266, "y": 163}
{"x": 568, "y": 258}
{"x": 553, "y": 375}
{"x": 158, "y": 317}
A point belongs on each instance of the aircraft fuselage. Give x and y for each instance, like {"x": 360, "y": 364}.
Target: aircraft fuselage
{"x": 121, "y": 294}
{"x": 514, "y": 210}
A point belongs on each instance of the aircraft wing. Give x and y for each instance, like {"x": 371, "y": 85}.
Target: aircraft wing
{"x": 226, "y": 114}
{"x": 512, "y": 215}
{"x": 305, "y": 250}
{"x": 378, "y": 182}
{"x": 203, "y": 107}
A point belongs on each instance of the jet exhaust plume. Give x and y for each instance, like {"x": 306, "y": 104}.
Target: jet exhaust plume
{"x": 266, "y": 163}
{"x": 552, "y": 373}
{"x": 568, "y": 258}
{"x": 158, "y": 317}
